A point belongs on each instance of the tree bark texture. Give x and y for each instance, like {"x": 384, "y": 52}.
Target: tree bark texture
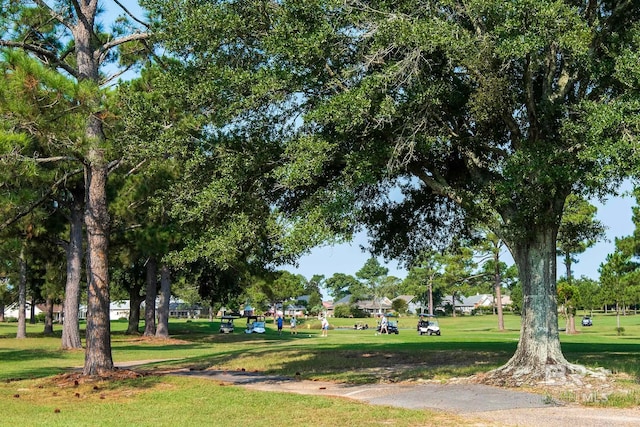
{"x": 162, "y": 331}
{"x": 32, "y": 311}
{"x": 98, "y": 356}
{"x": 48, "y": 318}
{"x": 22, "y": 296}
{"x": 150, "y": 299}
{"x": 538, "y": 357}
{"x": 70, "y": 326}
{"x": 497, "y": 286}
{"x": 135, "y": 299}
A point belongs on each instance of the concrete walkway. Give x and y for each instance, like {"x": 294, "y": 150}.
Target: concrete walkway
{"x": 496, "y": 406}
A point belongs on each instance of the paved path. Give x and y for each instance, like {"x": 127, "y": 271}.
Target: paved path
{"x": 497, "y": 406}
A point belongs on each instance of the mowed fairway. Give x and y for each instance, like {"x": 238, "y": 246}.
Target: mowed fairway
{"x": 35, "y": 387}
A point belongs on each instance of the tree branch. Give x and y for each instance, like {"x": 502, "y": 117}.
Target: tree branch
{"x": 144, "y": 24}
{"x": 104, "y": 49}
{"x": 41, "y": 200}
{"x": 52, "y": 57}
{"x": 55, "y": 15}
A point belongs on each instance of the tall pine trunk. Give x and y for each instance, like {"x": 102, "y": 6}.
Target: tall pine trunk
{"x": 150, "y": 299}
{"x": 162, "y": 330}
{"x": 22, "y": 296}
{"x": 98, "y": 356}
{"x": 538, "y": 356}
{"x": 48, "y": 318}
{"x": 70, "y": 326}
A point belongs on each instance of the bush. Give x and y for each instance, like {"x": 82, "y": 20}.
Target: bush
{"x": 356, "y": 312}
{"x": 342, "y": 310}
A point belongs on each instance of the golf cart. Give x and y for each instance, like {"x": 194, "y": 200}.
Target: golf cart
{"x": 428, "y": 325}
{"x": 255, "y": 325}
{"x": 226, "y": 324}
{"x": 586, "y": 321}
{"x": 360, "y": 326}
{"x": 392, "y": 326}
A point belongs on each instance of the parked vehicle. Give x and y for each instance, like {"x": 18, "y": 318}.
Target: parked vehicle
{"x": 586, "y": 321}
{"x": 360, "y": 326}
{"x": 255, "y": 325}
{"x": 392, "y": 327}
{"x": 428, "y": 325}
{"x": 226, "y": 324}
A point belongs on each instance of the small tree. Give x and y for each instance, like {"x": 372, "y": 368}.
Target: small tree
{"x": 569, "y": 295}
{"x": 579, "y": 230}
{"x": 340, "y": 285}
{"x": 372, "y": 274}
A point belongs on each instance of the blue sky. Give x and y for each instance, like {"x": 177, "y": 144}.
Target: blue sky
{"x": 615, "y": 214}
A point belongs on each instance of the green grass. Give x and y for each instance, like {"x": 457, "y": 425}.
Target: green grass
{"x": 468, "y": 345}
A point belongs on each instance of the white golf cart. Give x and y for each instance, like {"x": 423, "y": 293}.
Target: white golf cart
{"x": 226, "y": 324}
{"x": 428, "y": 325}
{"x": 255, "y": 325}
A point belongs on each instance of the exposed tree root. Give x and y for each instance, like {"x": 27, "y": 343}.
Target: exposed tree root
{"x": 553, "y": 374}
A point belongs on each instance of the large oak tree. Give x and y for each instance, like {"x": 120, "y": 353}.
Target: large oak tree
{"x": 421, "y": 120}
{"x": 475, "y": 112}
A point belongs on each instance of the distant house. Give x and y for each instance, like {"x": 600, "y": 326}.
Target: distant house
{"x": 328, "y": 307}
{"x": 57, "y": 311}
{"x": 375, "y": 307}
{"x": 119, "y": 310}
{"x": 13, "y": 311}
{"x": 181, "y": 310}
{"x": 467, "y": 305}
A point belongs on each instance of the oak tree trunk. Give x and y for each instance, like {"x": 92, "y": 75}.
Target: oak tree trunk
{"x": 163, "y": 305}
{"x": 70, "y": 326}
{"x": 135, "y": 299}
{"x": 497, "y": 286}
{"x": 538, "y": 357}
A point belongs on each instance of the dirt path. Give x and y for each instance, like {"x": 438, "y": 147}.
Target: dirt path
{"x": 480, "y": 404}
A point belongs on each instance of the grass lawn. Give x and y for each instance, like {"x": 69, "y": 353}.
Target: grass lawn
{"x": 33, "y": 386}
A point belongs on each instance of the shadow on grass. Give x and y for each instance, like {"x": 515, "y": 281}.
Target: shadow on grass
{"x": 359, "y": 359}
{"x": 26, "y": 355}
{"x": 394, "y": 361}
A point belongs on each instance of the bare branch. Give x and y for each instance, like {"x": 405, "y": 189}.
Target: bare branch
{"x": 136, "y": 168}
{"x": 144, "y": 24}
{"x": 54, "y": 159}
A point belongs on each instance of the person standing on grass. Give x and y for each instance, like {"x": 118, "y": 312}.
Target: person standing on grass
{"x": 384, "y": 329}
{"x": 292, "y": 323}
{"x": 325, "y": 327}
{"x": 279, "y": 322}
